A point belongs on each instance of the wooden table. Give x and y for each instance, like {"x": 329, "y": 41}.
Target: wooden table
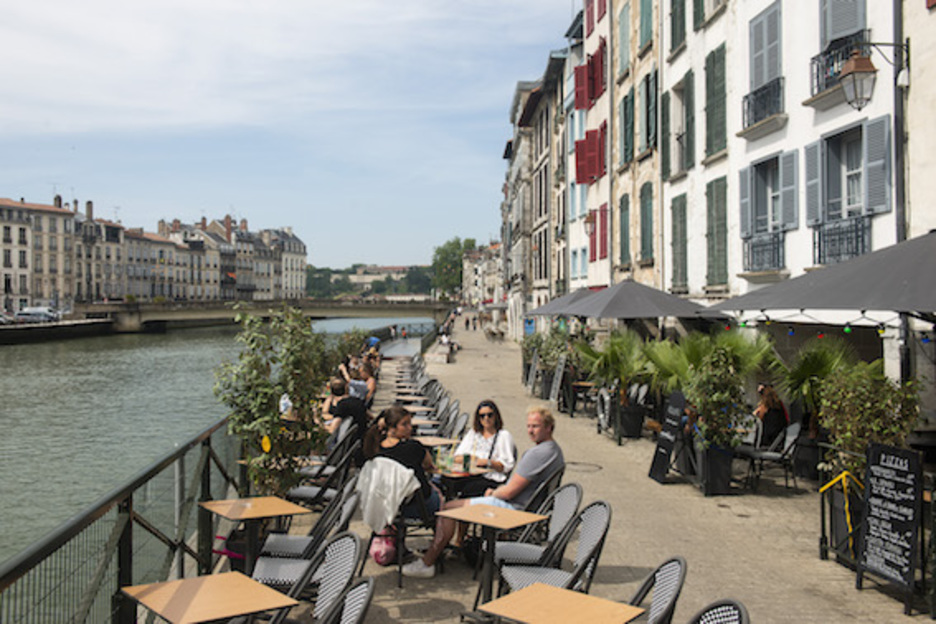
{"x": 250, "y": 511}
{"x": 415, "y": 409}
{"x": 208, "y": 598}
{"x": 545, "y": 604}
{"x": 491, "y": 519}
{"x": 435, "y": 440}
{"x": 423, "y": 422}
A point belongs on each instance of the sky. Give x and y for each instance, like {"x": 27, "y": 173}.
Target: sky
{"x": 375, "y": 128}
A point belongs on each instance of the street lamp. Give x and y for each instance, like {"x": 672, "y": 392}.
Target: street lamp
{"x": 859, "y": 74}
{"x": 590, "y": 223}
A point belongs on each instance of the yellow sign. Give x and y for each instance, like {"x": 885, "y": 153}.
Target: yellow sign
{"x": 265, "y": 444}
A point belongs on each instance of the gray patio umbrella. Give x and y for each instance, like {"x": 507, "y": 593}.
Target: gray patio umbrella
{"x": 632, "y": 300}
{"x": 899, "y": 278}
{"x": 557, "y": 306}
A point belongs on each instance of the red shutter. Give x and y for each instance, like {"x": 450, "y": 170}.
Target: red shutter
{"x": 581, "y": 162}
{"x": 602, "y": 8}
{"x": 581, "y": 87}
{"x": 590, "y": 75}
{"x": 592, "y": 248}
{"x": 602, "y": 228}
{"x": 589, "y": 17}
{"x": 591, "y": 155}
{"x": 602, "y": 164}
{"x": 600, "y": 68}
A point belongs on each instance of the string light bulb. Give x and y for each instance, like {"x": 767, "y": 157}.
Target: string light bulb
{"x": 880, "y": 330}
{"x": 790, "y": 331}
{"x": 847, "y": 329}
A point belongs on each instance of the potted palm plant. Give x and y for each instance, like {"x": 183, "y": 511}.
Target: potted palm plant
{"x": 618, "y": 364}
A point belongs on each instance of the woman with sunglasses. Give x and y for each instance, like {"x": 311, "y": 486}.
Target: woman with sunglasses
{"x": 491, "y": 446}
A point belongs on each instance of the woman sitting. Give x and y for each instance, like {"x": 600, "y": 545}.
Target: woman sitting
{"x": 390, "y": 437}
{"x": 772, "y": 413}
{"x": 490, "y": 446}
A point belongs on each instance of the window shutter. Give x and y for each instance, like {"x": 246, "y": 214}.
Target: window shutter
{"x": 814, "y": 195}
{"x": 591, "y": 159}
{"x": 625, "y": 230}
{"x": 590, "y": 74}
{"x": 698, "y": 14}
{"x": 677, "y": 23}
{"x": 642, "y": 122}
{"x": 680, "y": 264}
{"x": 689, "y": 128}
{"x": 622, "y": 123}
{"x": 840, "y": 18}
{"x": 646, "y": 221}
{"x": 789, "y": 190}
{"x": 581, "y": 87}
{"x": 600, "y": 68}
{"x": 772, "y": 41}
{"x": 716, "y": 112}
{"x": 592, "y": 248}
{"x": 589, "y": 17}
{"x": 716, "y": 232}
{"x": 744, "y": 201}
{"x": 602, "y": 8}
{"x": 875, "y": 139}
{"x": 603, "y": 231}
{"x": 758, "y": 51}
{"x": 665, "y": 135}
{"x": 629, "y": 128}
{"x": 581, "y": 162}
{"x": 646, "y": 22}
{"x": 624, "y": 38}
{"x": 602, "y": 149}
{"x": 651, "y": 108}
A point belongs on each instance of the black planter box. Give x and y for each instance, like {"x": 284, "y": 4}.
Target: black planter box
{"x": 632, "y": 418}
{"x": 845, "y": 553}
{"x": 715, "y": 465}
{"x": 546, "y": 379}
{"x": 807, "y": 457}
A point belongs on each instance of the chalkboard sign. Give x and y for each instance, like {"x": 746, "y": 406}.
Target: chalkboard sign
{"x": 893, "y": 506}
{"x": 672, "y": 419}
{"x": 531, "y": 374}
{"x": 557, "y": 379}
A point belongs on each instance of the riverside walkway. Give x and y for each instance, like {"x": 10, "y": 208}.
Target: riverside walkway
{"x": 759, "y": 548}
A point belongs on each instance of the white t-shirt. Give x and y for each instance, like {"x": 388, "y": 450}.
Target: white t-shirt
{"x": 477, "y": 445}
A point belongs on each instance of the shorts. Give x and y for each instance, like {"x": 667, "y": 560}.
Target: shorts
{"x": 433, "y": 504}
{"x": 491, "y": 500}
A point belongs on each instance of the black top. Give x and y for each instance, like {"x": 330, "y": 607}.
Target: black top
{"x": 774, "y": 424}
{"x": 411, "y": 454}
{"x": 353, "y": 408}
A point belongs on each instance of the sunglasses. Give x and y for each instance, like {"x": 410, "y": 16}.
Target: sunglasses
{"x": 485, "y": 414}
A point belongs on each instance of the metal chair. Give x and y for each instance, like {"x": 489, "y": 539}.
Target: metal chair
{"x": 666, "y": 583}
{"x": 318, "y": 496}
{"x": 592, "y": 524}
{"x": 351, "y": 607}
{"x": 783, "y": 457}
{"x": 334, "y": 519}
{"x": 722, "y": 612}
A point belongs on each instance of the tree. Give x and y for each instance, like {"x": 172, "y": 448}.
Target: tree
{"x": 418, "y": 280}
{"x": 447, "y": 265}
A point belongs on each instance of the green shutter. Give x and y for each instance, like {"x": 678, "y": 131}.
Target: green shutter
{"x": 665, "y": 135}
{"x": 680, "y": 261}
{"x": 625, "y": 230}
{"x": 716, "y": 232}
{"x": 689, "y": 107}
{"x": 629, "y": 128}
{"x": 677, "y": 23}
{"x": 646, "y": 221}
{"x": 646, "y": 22}
{"x": 651, "y": 109}
{"x": 715, "y": 128}
{"x": 622, "y": 125}
{"x": 624, "y": 38}
{"x": 698, "y": 14}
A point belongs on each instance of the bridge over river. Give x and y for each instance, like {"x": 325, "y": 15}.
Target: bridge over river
{"x": 136, "y": 317}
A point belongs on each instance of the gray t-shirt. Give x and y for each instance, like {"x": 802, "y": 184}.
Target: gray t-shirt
{"x": 537, "y": 465}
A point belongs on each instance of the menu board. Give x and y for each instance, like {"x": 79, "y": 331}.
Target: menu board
{"x": 672, "y": 418}
{"x": 889, "y": 544}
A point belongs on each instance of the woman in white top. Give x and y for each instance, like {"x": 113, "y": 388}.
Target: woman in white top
{"x": 491, "y": 446}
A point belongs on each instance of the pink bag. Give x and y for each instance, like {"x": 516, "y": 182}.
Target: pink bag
{"x": 383, "y": 547}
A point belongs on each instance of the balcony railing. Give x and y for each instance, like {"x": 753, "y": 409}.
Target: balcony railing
{"x": 842, "y": 239}
{"x": 764, "y": 252}
{"x": 763, "y": 102}
{"x": 827, "y": 66}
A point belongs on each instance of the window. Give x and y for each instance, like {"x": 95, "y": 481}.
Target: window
{"x": 572, "y": 201}
{"x": 601, "y": 9}
{"x": 590, "y": 155}
{"x": 716, "y": 203}
{"x": 624, "y": 39}
{"x": 589, "y": 17}
{"x": 646, "y": 23}
{"x": 677, "y": 23}
{"x": 715, "y": 126}
{"x": 626, "y": 125}
{"x": 603, "y": 232}
{"x": 590, "y": 77}
{"x": 839, "y": 19}
{"x": 768, "y": 194}
{"x": 22, "y": 260}
{"x": 624, "y": 214}
{"x": 37, "y": 223}
{"x": 37, "y": 263}
{"x": 703, "y": 10}
{"x": 677, "y": 127}
{"x": 765, "y": 47}
{"x": 7, "y": 234}
{"x": 573, "y": 264}
{"x": 680, "y": 256}
{"x": 22, "y": 236}
{"x": 646, "y": 137}
{"x": 7, "y": 258}
{"x": 646, "y": 222}
{"x": 23, "y": 285}
{"x": 593, "y": 239}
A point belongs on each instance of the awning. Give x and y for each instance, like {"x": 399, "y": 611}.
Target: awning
{"x": 899, "y": 278}
{"x": 557, "y": 306}
{"x": 632, "y": 300}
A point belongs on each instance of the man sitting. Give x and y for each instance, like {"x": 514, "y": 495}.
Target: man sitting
{"x": 342, "y": 406}
{"x": 534, "y": 467}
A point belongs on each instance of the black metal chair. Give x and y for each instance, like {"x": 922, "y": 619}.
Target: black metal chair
{"x": 782, "y": 457}
{"x": 351, "y": 607}
{"x": 666, "y": 583}
{"x": 722, "y": 612}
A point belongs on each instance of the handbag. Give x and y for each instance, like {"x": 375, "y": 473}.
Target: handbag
{"x": 383, "y": 547}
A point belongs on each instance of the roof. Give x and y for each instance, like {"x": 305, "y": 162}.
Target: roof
{"x": 12, "y": 203}
{"x": 575, "y": 28}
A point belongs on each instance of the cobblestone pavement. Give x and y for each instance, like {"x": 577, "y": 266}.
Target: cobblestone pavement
{"x": 759, "y": 548}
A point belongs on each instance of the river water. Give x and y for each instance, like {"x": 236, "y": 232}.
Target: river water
{"x": 79, "y": 418}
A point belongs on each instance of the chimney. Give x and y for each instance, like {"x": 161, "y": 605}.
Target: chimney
{"x": 161, "y": 228}
{"x": 227, "y": 227}
{"x": 204, "y": 224}
{"x": 176, "y": 225}
{"x": 57, "y": 201}
{"x": 89, "y": 210}
{"x": 243, "y": 225}
{"x": 22, "y": 200}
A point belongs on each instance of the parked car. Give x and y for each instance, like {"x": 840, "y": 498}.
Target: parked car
{"x": 36, "y": 315}
{"x": 6, "y": 319}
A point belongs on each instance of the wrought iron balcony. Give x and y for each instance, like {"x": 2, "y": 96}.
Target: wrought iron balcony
{"x": 764, "y": 252}
{"x": 763, "y": 102}
{"x": 826, "y": 67}
{"x": 842, "y": 239}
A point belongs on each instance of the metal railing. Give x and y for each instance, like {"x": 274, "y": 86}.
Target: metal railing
{"x": 763, "y": 102}
{"x": 764, "y": 252}
{"x": 826, "y": 67}
{"x": 842, "y": 239}
{"x": 139, "y": 533}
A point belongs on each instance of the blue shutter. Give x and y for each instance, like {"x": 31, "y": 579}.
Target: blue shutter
{"x": 624, "y": 39}
{"x": 772, "y": 43}
{"x": 744, "y": 201}
{"x": 840, "y": 18}
{"x": 814, "y": 189}
{"x": 646, "y": 22}
{"x": 625, "y": 230}
{"x": 875, "y": 139}
{"x": 789, "y": 191}
{"x": 758, "y": 51}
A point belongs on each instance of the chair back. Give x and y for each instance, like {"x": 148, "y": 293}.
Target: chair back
{"x": 593, "y": 523}
{"x": 790, "y": 437}
{"x": 461, "y": 423}
{"x": 339, "y": 559}
{"x": 384, "y": 484}
{"x": 565, "y": 504}
{"x": 722, "y": 612}
{"x": 442, "y": 405}
{"x": 642, "y": 394}
{"x": 755, "y": 430}
{"x": 545, "y": 489}
{"x": 348, "y": 506}
{"x": 352, "y": 605}
{"x": 666, "y": 582}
